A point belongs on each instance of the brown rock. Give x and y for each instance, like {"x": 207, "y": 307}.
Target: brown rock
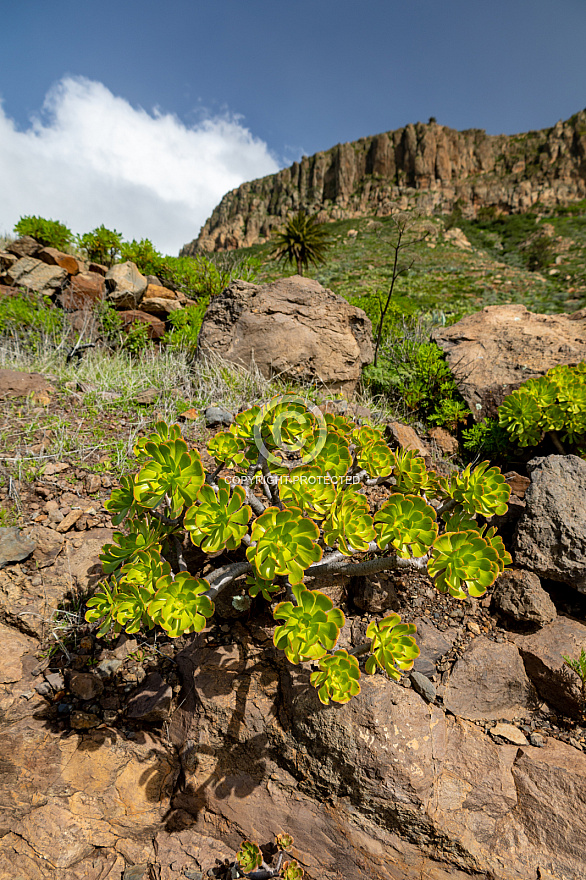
{"x": 98, "y": 268}
{"x": 445, "y": 442}
{"x": 543, "y": 655}
{"x": 151, "y": 702}
{"x": 293, "y": 328}
{"x": 155, "y": 325}
{"x": 510, "y": 733}
{"x": 85, "y": 685}
{"x": 492, "y": 352}
{"x": 518, "y": 484}
{"x": 84, "y": 291}
{"x": 16, "y": 384}
{"x": 69, "y": 521}
{"x": 24, "y": 247}
{"x": 407, "y": 438}
{"x": 158, "y": 300}
{"x": 53, "y": 257}
{"x": 6, "y": 261}
{"x": 489, "y": 683}
{"x": 14, "y": 545}
{"x": 32, "y": 274}
{"x": 519, "y": 595}
{"x": 14, "y": 646}
{"x": 48, "y": 545}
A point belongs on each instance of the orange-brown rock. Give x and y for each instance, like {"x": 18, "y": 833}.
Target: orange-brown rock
{"x": 158, "y": 300}
{"x": 53, "y": 257}
{"x": 84, "y": 291}
{"x": 155, "y": 325}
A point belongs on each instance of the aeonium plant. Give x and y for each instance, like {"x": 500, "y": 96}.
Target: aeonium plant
{"x": 289, "y": 507}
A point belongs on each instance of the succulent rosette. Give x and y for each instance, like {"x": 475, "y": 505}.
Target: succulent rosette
{"x": 180, "y": 605}
{"x": 284, "y": 543}
{"x": 311, "y": 627}
{"x": 466, "y": 561}
{"x": 338, "y": 677}
{"x": 411, "y": 475}
{"x": 483, "y": 490}
{"x": 406, "y": 523}
{"x": 349, "y": 523}
{"x": 173, "y": 473}
{"x": 249, "y": 856}
{"x": 308, "y": 489}
{"x": 392, "y": 647}
{"x": 218, "y": 521}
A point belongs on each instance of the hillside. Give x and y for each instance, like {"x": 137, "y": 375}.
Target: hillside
{"x": 426, "y": 166}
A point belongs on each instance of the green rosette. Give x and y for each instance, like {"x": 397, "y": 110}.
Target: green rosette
{"x": 173, "y": 473}
{"x": 218, "y": 521}
{"x": 392, "y": 646}
{"x": 311, "y": 627}
{"x": 338, "y": 678}
{"x": 349, "y": 524}
{"x": 284, "y": 543}
{"x": 465, "y": 561}
{"x": 180, "y": 605}
{"x": 406, "y": 523}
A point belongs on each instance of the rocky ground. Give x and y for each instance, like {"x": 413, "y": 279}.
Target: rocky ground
{"x": 145, "y": 757}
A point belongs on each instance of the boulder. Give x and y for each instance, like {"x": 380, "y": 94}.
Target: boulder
{"x": 158, "y": 300}
{"x": 6, "y": 261}
{"x": 293, "y": 328}
{"x": 156, "y": 327}
{"x": 492, "y": 352}
{"x": 518, "y": 594}
{"x": 32, "y": 274}
{"x": 27, "y": 246}
{"x": 489, "y": 683}
{"x": 125, "y": 285}
{"x": 14, "y": 546}
{"x": 551, "y": 534}
{"x": 84, "y": 291}
{"x": 543, "y": 655}
{"x": 53, "y": 257}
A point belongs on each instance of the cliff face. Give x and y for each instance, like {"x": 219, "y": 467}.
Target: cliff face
{"x": 430, "y": 167}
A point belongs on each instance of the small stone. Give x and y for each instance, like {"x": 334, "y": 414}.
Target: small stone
{"x": 217, "y": 415}
{"x": 14, "y": 546}
{"x": 510, "y": 733}
{"x": 44, "y": 689}
{"x": 147, "y": 397}
{"x": 423, "y": 686}
{"x": 473, "y": 627}
{"x": 84, "y": 720}
{"x": 108, "y": 668}
{"x": 85, "y": 685}
{"x": 69, "y": 521}
{"x": 135, "y": 872}
{"x": 56, "y": 680}
{"x": 189, "y": 415}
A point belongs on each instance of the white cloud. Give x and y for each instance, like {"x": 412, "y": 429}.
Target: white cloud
{"x": 92, "y": 158}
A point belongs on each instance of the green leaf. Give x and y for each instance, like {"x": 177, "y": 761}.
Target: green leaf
{"x": 230, "y": 450}
{"x": 393, "y": 647}
{"x": 249, "y": 856}
{"x": 292, "y": 870}
{"x": 338, "y": 678}
{"x": 411, "y": 475}
{"x": 309, "y": 490}
{"x": 121, "y": 502}
{"x": 101, "y": 607}
{"x": 311, "y": 627}
{"x": 217, "y": 521}
{"x": 142, "y": 537}
{"x": 406, "y": 523}
{"x": 257, "y": 585}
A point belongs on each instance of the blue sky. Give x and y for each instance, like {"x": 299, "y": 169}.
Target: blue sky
{"x": 142, "y": 114}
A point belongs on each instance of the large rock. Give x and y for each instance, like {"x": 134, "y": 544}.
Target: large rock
{"x": 492, "y": 352}
{"x": 293, "y": 328}
{"x": 53, "y": 257}
{"x": 156, "y": 327}
{"x": 84, "y": 291}
{"x": 551, "y": 534}
{"x": 35, "y": 275}
{"x": 489, "y": 683}
{"x": 543, "y": 654}
{"x": 14, "y": 546}
{"x": 125, "y": 285}
{"x": 518, "y": 594}
{"x": 159, "y": 300}
{"x": 27, "y": 246}
{"x": 385, "y": 786}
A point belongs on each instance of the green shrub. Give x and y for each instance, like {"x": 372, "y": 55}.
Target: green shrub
{"x": 101, "y": 245}
{"x": 31, "y": 317}
{"x": 186, "y": 324}
{"x": 487, "y": 438}
{"x": 313, "y": 470}
{"x": 50, "y": 233}
{"x": 136, "y": 338}
{"x": 554, "y": 404}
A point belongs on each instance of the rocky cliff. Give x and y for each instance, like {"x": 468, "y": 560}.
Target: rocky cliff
{"x": 425, "y": 166}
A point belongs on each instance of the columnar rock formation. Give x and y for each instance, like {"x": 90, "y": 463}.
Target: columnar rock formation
{"x": 427, "y": 166}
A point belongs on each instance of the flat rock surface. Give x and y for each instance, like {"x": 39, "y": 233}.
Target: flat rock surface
{"x": 494, "y": 351}
{"x": 16, "y": 384}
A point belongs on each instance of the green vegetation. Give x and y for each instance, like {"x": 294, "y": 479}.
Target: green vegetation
{"x": 101, "y": 245}
{"x": 50, "y": 233}
{"x": 316, "y": 472}
{"x": 303, "y": 240}
{"x": 578, "y": 666}
{"x": 30, "y": 318}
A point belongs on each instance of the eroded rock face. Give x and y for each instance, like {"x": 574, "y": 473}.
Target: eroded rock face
{"x": 492, "y": 352}
{"x": 33, "y": 274}
{"x": 293, "y": 328}
{"x": 551, "y": 534}
{"x": 518, "y": 595}
{"x": 429, "y": 166}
